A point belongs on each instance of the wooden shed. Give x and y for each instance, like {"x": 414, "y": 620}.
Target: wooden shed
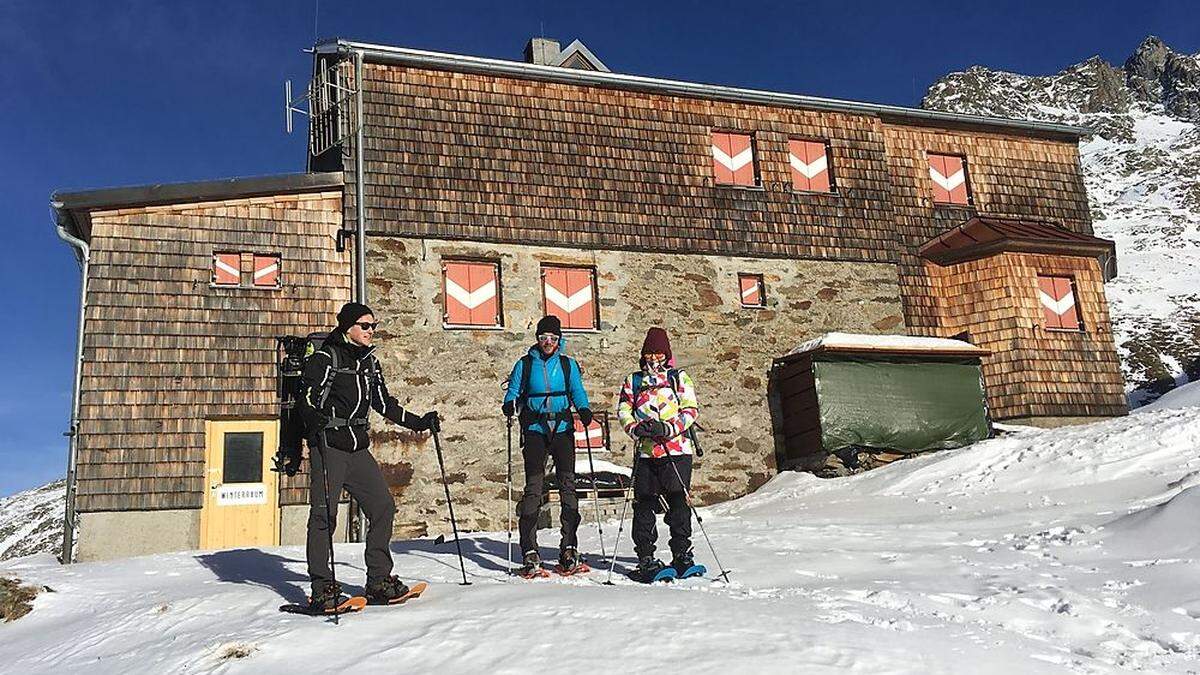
{"x": 894, "y": 393}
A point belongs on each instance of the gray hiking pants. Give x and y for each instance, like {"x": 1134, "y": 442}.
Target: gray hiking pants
{"x": 359, "y": 474}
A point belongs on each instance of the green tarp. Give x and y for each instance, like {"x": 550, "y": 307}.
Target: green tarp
{"x": 905, "y": 406}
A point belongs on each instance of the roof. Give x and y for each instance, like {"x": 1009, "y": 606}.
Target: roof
{"x": 377, "y": 53}
{"x": 582, "y": 56}
{"x": 983, "y": 236}
{"x": 885, "y": 345}
{"x": 71, "y": 208}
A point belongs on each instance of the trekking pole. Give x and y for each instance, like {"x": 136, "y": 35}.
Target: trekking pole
{"x": 688, "y": 496}
{"x": 587, "y": 437}
{"x": 329, "y": 519}
{"x": 510, "y": 501}
{"x": 437, "y": 444}
{"x": 621, "y": 527}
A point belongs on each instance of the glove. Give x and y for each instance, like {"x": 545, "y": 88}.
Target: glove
{"x": 508, "y": 408}
{"x": 291, "y": 464}
{"x": 288, "y": 464}
{"x": 586, "y": 416}
{"x": 426, "y": 422}
{"x": 651, "y": 429}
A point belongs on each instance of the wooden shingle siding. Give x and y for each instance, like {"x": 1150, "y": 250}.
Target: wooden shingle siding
{"x": 476, "y": 157}
{"x": 164, "y": 350}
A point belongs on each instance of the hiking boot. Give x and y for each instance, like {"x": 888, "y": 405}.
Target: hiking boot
{"x": 683, "y": 562}
{"x": 648, "y": 567}
{"x": 385, "y": 590}
{"x": 326, "y": 596}
{"x": 568, "y": 560}
{"x": 531, "y": 565}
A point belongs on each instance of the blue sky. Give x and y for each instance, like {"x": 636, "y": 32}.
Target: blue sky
{"x": 100, "y": 94}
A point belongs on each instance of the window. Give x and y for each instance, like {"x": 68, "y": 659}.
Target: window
{"x": 243, "y": 457}
{"x": 810, "y": 166}
{"x": 266, "y": 270}
{"x": 1059, "y": 308}
{"x": 227, "y": 269}
{"x": 733, "y": 159}
{"x": 753, "y": 294}
{"x": 570, "y": 294}
{"x": 471, "y": 293}
{"x": 948, "y": 176}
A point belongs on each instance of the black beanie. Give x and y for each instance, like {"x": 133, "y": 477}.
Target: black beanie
{"x": 549, "y": 324}
{"x": 350, "y": 313}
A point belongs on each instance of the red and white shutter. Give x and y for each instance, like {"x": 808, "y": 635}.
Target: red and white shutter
{"x": 733, "y": 158}
{"x": 1057, "y": 296}
{"x": 751, "y": 289}
{"x": 948, "y": 175}
{"x": 471, "y": 290}
{"x": 266, "y": 270}
{"x": 570, "y": 295}
{"x": 227, "y": 269}
{"x": 594, "y": 435}
{"x": 810, "y": 165}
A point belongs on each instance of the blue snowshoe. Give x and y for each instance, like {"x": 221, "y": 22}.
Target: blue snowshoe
{"x": 650, "y": 570}
{"x": 685, "y": 566}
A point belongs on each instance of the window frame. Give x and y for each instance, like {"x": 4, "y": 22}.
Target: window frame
{"x": 499, "y": 296}
{"x": 966, "y": 169}
{"x": 762, "y": 290}
{"x": 833, "y": 186}
{"x": 757, "y": 182}
{"x": 591, "y": 270}
{"x": 278, "y": 258}
{"x": 1080, "y": 326}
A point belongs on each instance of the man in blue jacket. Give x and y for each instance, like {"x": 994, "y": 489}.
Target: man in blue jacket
{"x": 544, "y": 384}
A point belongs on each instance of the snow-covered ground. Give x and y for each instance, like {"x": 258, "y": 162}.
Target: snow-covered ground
{"x": 1073, "y": 550}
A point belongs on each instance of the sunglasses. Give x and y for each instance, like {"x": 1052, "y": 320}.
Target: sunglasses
{"x": 548, "y": 337}
{"x": 367, "y": 325}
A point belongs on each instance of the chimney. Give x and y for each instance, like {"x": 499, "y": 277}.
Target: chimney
{"x": 542, "y": 51}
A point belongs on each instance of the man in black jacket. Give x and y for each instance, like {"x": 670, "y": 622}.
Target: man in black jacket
{"x": 343, "y": 382}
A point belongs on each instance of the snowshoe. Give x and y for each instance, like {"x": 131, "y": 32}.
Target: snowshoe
{"x": 327, "y": 600}
{"x": 531, "y": 567}
{"x": 391, "y": 591}
{"x": 569, "y": 563}
{"x": 685, "y": 566}
{"x": 652, "y": 569}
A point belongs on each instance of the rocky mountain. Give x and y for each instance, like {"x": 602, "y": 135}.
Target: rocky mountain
{"x": 32, "y": 521}
{"x": 1142, "y": 169}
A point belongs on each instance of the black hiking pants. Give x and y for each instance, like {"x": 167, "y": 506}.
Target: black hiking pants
{"x": 653, "y": 477}
{"x": 561, "y": 446}
{"x": 359, "y": 474}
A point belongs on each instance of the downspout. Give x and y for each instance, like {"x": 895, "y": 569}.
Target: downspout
{"x": 360, "y": 227}
{"x": 360, "y": 208}
{"x": 83, "y": 254}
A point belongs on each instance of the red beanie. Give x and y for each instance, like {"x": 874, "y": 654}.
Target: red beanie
{"x": 657, "y": 342}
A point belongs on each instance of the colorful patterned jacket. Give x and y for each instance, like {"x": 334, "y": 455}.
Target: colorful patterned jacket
{"x": 656, "y": 400}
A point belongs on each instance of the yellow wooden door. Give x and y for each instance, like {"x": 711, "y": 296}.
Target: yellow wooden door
{"x": 241, "y": 498}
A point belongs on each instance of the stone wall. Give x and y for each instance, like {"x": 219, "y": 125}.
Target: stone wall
{"x": 726, "y": 348}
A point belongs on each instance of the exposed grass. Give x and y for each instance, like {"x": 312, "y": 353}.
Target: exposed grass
{"x": 237, "y": 650}
{"x": 15, "y": 599}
